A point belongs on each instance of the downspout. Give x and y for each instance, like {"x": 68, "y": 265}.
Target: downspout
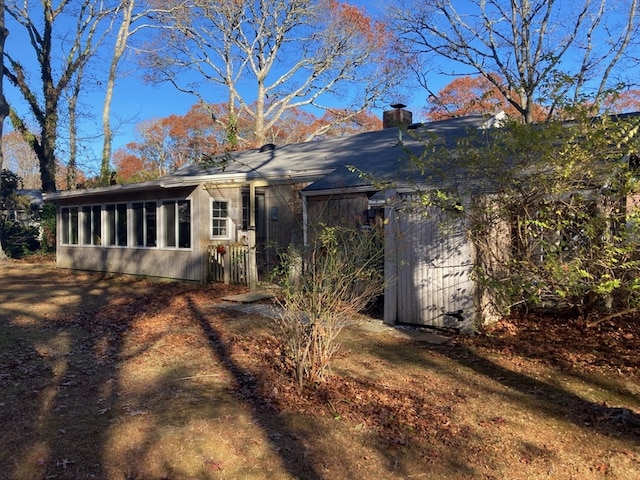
{"x": 305, "y": 221}
{"x": 252, "y": 261}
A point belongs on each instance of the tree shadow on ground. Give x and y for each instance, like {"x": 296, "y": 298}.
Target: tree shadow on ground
{"x": 427, "y": 367}
{"x": 281, "y": 437}
{"x": 550, "y": 399}
{"x": 53, "y": 383}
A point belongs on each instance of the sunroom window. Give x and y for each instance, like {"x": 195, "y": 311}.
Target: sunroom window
{"x": 176, "y": 216}
{"x": 91, "y": 225}
{"x": 69, "y": 225}
{"x": 144, "y": 224}
{"x": 116, "y": 224}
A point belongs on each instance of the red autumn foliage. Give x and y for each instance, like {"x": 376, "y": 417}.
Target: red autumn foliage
{"x": 472, "y": 96}
{"x": 169, "y": 143}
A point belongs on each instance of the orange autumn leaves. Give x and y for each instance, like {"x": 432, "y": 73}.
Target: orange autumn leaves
{"x": 475, "y": 95}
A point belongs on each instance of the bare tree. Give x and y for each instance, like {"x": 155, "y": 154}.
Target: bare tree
{"x": 562, "y": 52}
{"x": 72, "y": 106}
{"x": 21, "y": 160}
{"x": 132, "y": 13}
{"x": 270, "y": 56}
{"x": 4, "y": 107}
{"x": 43, "y": 93}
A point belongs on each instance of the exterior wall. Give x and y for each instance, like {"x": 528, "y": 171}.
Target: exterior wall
{"x": 174, "y": 264}
{"x": 278, "y": 218}
{"x": 233, "y": 195}
{"x": 281, "y": 224}
{"x": 346, "y": 210}
{"x": 185, "y": 264}
{"x": 284, "y": 214}
{"x": 428, "y": 260}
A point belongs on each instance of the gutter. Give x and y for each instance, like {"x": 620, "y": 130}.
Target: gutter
{"x": 90, "y": 192}
{"x": 190, "y": 181}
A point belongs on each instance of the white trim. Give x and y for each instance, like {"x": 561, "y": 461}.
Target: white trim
{"x": 162, "y": 237}
{"x": 210, "y": 225}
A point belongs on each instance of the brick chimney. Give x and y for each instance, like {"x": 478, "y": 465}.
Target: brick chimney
{"x": 397, "y": 116}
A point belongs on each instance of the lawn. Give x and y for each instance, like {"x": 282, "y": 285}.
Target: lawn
{"x": 109, "y": 377}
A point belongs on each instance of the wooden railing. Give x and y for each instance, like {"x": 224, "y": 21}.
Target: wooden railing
{"x": 229, "y": 263}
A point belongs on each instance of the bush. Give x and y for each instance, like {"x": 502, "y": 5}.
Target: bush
{"x": 19, "y": 240}
{"x": 326, "y": 284}
{"x": 48, "y": 227}
{"x": 551, "y": 212}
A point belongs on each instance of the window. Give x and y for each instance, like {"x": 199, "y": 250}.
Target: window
{"x": 91, "y": 225}
{"x": 144, "y": 224}
{"x": 245, "y": 211}
{"x": 69, "y": 225}
{"x": 177, "y": 223}
{"x": 116, "y": 224}
{"x": 219, "y": 219}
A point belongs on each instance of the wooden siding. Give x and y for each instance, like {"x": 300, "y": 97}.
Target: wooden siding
{"x": 229, "y": 263}
{"x": 428, "y": 262}
{"x": 347, "y": 210}
{"x": 428, "y": 259}
{"x": 173, "y": 264}
{"x": 282, "y": 225}
{"x": 184, "y": 264}
{"x": 284, "y": 214}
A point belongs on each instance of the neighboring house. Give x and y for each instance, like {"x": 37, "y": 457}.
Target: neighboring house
{"x": 27, "y": 208}
{"x": 171, "y": 227}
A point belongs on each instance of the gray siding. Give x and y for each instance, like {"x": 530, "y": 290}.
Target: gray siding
{"x": 282, "y": 224}
{"x": 285, "y": 222}
{"x": 348, "y": 210}
{"x": 184, "y": 264}
{"x": 174, "y": 264}
{"x": 428, "y": 266}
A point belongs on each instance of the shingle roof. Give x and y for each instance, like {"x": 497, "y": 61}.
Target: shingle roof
{"x": 377, "y": 153}
{"x": 395, "y": 161}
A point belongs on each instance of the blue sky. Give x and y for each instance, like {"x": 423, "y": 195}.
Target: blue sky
{"x": 134, "y": 101}
{"x": 143, "y": 101}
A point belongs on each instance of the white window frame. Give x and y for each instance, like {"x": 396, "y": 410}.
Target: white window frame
{"x": 162, "y": 225}
{"x": 145, "y": 224}
{"x": 226, "y": 219}
{"x": 95, "y": 238}
{"x": 107, "y": 226}
{"x": 67, "y": 237}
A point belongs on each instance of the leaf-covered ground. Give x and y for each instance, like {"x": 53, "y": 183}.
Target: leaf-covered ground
{"x": 117, "y": 378}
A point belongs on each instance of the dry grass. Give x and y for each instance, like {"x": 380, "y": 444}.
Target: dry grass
{"x": 114, "y": 378}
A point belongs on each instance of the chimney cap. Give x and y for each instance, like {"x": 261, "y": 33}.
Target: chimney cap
{"x": 267, "y": 147}
{"x": 398, "y": 105}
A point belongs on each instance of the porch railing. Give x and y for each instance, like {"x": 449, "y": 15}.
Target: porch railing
{"x": 229, "y": 263}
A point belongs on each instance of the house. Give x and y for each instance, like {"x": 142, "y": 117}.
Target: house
{"x": 174, "y": 226}
{"x": 26, "y": 207}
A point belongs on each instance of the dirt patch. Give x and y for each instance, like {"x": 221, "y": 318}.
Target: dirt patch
{"x": 119, "y": 378}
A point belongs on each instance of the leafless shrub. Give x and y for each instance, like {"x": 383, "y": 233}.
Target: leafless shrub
{"x": 336, "y": 278}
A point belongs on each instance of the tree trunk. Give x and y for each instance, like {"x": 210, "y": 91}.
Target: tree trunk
{"x": 122, "y": 39}
{"x": 4, "y": 107}
{"x": 72, "y": 164}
